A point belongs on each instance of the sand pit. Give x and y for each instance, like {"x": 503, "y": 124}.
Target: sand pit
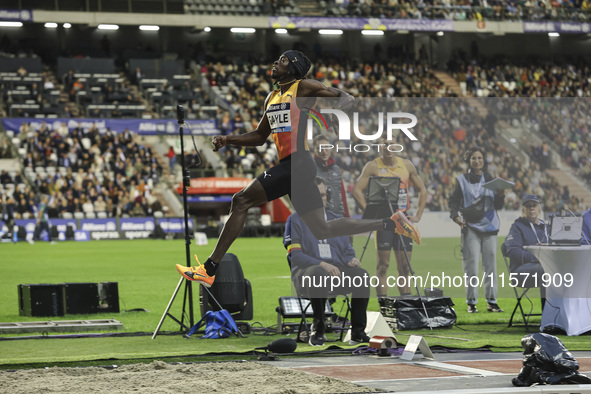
{"x": 160, "y": 377}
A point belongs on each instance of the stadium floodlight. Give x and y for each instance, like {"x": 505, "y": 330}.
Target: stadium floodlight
{"x": 11, "y": 24}
{"x": 149, "y": 27}
{"x": 372, "y": 32}
{"x": 243, "y": 30}
{"x": 281, "y": 31}
{"x": 440, "y": 34}
{"x": 67, "y": 25}
{"x": 553, "y": 34}
{"x": 207, "y": 29}
{"x": 333, "y": 32}
{"x": 50, "y": 25}
{"x": 108, "y": 27}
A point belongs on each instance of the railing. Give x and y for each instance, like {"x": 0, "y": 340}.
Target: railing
{"x": 501, "y": 12}
{"x": 140, "y": 6}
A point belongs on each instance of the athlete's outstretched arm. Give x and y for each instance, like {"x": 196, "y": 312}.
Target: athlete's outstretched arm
{"x": 313, "y": 88}
{"x": 254, "y": 138}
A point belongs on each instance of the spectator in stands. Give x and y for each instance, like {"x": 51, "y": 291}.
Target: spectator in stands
{"x": 53, "y": 205}
{"x": 22, "y": 207}
{"x": 8, "y": 208}
{"x": 68, "y": 80}
{"x": 171, "y": 158}
{"x": 63, "y": 130}
{"x": 87, "y": 206}
{"x": 100, "y": 205}
{"x": 62, "y": 207}
{"x": 67, "y": 112}
{"x": 137, "y": 76}
{"x": 48, "y": 85}
{"x": 5, "y": 178}
{"x": 76, "y": 87}
{"x": 5, "y": 151}
{"x": 138, "y": 210}
{"x": 17, "y": 178}
{"x": 29, "y": 161}
{"x": 74, "y": 205}
{"x": 23, "y": 131}
{"x": 474, "y": 208}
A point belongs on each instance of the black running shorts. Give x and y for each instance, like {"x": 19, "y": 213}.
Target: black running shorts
{"x": 387, "y": 240}
{"x": 278, "y": 181}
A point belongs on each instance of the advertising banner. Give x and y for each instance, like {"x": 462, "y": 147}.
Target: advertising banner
{"x": 174, "y": 225}
{"x": 100, "y": 228}
{"x": 110, "y": 228}
{"x": 139, "y": 126}
{"x": 136, "y": 228}
{"x": 361, "y": 23}
{"x": 558, "y": 27}
{"x": 16, "y": 15}
{"x": 215, "y": 185}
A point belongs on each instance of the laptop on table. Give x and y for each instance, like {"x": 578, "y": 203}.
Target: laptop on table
{"x": 566, "y": 230}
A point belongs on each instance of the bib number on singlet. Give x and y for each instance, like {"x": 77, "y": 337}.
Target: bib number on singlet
{"x": 402, "y": 199}
{"x": 279, "y": 117}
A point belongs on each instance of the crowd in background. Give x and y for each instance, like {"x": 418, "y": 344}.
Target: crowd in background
{"x": 95, "y": 172}
{"x": 503, "y": 78}
{"x": 438, "y": 155}
{"x": 129, "y": 167}
{"x": 461, "y": 10}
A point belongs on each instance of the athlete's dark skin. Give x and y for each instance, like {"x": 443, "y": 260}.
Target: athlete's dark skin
{"x": 254, "y": 195}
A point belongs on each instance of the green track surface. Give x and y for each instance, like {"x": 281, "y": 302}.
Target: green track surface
{"x": 144, "y": 270}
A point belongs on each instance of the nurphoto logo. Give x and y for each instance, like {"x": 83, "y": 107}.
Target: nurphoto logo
{"x": 392, "y": 121}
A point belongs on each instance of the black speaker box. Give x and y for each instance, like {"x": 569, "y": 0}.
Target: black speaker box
{"x": 81, "y": 298}
{"x": 41, "y": 300}
{"x": 247, "y": 311}
{"x": 21, "y": 233}
{"x": 230, "y": 289}
{"x": 70, "y": 232}
{"x": 108, "y": 297}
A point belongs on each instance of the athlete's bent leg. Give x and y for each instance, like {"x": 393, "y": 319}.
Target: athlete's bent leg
{"x": 252, "y": 195}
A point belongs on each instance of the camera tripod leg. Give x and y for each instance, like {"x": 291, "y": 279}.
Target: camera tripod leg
{"x": 365, "y": 247}
{"x": 178, "y": 286}
{"x": 412, "y": 272}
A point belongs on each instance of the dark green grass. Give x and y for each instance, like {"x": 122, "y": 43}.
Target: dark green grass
{"x": 145, "y": 272}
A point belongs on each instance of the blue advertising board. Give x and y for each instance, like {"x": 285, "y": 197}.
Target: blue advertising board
{"x": 109, "y": 228}
{"x": 139, "y": 126}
